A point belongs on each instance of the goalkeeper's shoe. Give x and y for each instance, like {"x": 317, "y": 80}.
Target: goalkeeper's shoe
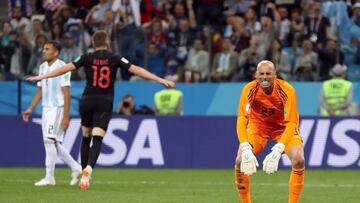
{"x": 45, "y": 182}
{"x": 85, "y": 178}
{"x": 75, "y": 176}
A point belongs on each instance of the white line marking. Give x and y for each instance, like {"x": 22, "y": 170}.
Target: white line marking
{"x": 316, "y": 185}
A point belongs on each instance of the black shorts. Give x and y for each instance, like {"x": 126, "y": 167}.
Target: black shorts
{"x": 96, "y": 110}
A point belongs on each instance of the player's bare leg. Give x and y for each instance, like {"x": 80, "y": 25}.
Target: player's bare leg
{"x": 94, "y": 152}
{"x": 242, "y": 181}
{"x": 296, "y": 155}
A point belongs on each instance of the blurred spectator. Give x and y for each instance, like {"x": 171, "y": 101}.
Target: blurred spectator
{"x": 225, "y": 62}
{"x": 18, "y": 22}
{"x": 317, "y": 27}
{"x": 152, "y": 59}
{"x": 172, "y": 69}
{"x": 208, "y": 12}
{"x": 37, "y": 28}
{"x": 237, "y": 7}
{"x": 129, "y": 11}
{"x": 307, "y": 63}
{"x": 63, "y": 14}
{"x": 96, "y": 15}
{"x": 240, "y": 37}
{"x": 148, "y": 11}
{"x": 280, "y": 59}
{"x": 180, "y": 40}
{"x": 337, "y": 94}
{"x": 80, "y": 35}
{"x": 156, "y": 34}
{"x": 252, "y": 25}
{"x": 264, "y": 8}
{"x": 285, "y": 25}
{"x": 179, "y": 13}
{"x": 21, "y": 55}
{"x": 69, "y": 51}
{"x": 197, "y": 64}
{"x": 296, "y": 28}
{"x": 270, "y": 31}
{"x": 168, "y": 102}
{"x": 248, "y": 60}
{"x": 329, "y": 57}
{"x": 356, "y": 14}
{"x": 36, "y": 55}
{"x": 7, "y": 46}
{"x": 50, "y": 7}
{"x": 110, "y": 27}
{"x": 56, "y": 33}
{"x": 128, "y": 32}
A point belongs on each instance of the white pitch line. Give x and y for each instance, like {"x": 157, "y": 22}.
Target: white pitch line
{"x": 321, "y": 185}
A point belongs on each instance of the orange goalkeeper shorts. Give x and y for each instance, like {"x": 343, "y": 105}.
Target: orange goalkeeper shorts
{"x": 258, "y": 138}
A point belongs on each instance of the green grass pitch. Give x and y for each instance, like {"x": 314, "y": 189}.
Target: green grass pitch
{"x": 162, "y": 185}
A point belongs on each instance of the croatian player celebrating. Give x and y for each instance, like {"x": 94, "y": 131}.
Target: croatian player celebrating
{"x": 96, "y": 103}
{"x": 55, "y": 94}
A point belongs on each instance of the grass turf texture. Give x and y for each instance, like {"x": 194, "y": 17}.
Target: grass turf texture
{"x": 160, "y": 186}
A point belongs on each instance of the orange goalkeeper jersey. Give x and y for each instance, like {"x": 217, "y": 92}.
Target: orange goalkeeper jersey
{"x": 275, "y": 114}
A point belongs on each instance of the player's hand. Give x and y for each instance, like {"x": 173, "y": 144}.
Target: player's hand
{"x": 33, "y": 78}
{"x": 26, "y": 114}
{"x": 65, "y": 122}
{"x": 167, "y": 83}
{"x": 271, "y": 161}
{"x": 248, "y": 160}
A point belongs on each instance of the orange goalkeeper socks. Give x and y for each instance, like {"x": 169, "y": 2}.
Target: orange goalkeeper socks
{"x": 242, "y": 182}
{"x": 296, "y": 184}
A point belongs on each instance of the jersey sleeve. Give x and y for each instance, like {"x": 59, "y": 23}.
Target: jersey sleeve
{"x": 65, "y": 79}
{"x": 80, "y": 61}
{"x": 291, "y": 117}
{"x": 290, "y": 107}
{"x": 122, "y": 62}
{"x": 242, "y": 117}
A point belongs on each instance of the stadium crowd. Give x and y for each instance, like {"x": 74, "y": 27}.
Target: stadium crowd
{"x": 189, "y": 40}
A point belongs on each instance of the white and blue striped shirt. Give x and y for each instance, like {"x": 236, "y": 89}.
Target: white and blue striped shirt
{"x": 52, "y": 95}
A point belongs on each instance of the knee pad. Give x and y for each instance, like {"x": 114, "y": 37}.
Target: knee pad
{"x": 98, "y": 131}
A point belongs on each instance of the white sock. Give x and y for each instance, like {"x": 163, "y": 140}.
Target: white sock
{"x": 64, "y": 155}
{"x": 50, "y": 158}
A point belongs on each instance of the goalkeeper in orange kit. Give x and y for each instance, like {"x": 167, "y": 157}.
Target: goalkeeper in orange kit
{"x": 267, "y": 110}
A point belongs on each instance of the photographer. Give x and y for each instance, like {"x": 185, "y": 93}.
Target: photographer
{"x": 128, "y": 107}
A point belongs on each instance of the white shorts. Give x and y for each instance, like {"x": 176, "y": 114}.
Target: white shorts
{"x": 51, "y": 123}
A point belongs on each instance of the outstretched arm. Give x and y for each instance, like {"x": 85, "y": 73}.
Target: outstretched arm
{"x": 136, "y": 70}
{"x": 59, "y": 71}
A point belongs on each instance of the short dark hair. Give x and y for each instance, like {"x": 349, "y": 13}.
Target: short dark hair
{"x": 55, "y": 44}
{"x": 100, "y": 38}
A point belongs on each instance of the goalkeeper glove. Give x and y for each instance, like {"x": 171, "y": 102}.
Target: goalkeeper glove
{"x": 271, "y": 161}
{"x": 248, "y": 160}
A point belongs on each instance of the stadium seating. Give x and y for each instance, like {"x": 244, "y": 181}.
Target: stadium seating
{"x": 353, "y": 73}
